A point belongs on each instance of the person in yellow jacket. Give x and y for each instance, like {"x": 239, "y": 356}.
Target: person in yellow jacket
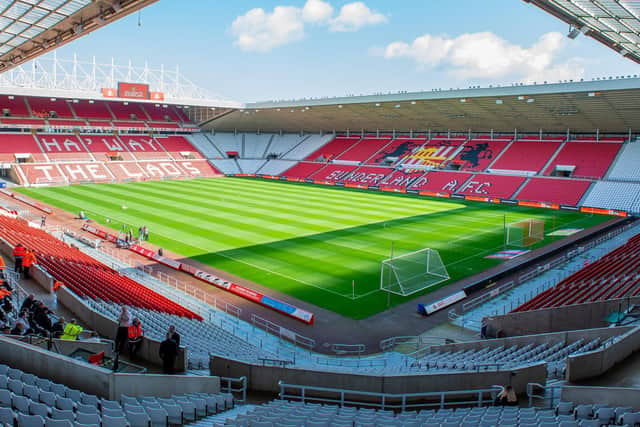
{"x": 71, "y": 331}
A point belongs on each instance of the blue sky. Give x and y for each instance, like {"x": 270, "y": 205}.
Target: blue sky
{"x": 251, "y": 50}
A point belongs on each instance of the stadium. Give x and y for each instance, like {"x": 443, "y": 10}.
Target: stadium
{"x": 448, "y": 257}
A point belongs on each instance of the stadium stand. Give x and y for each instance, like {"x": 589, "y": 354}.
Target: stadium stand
{"x": 610, "y": 277}
{"x": 84, "y": 275}
{"x": 40, "y": 174}
{"x": 364, "y": 149}
{"x": 63, "y": 147}
{"x": 627, "y": 165}
{"x": 614, "y": 195}
{"x": 92, "y": 109}
{"x": 303, "y": 170}
{"x": 226, "y": 142}
{"x": 275, "y": 167}
{"x": 333, "y": 172}
{"x": 435, "y": 153}
{"x": 203, "y": 145}
{"x": 14, "y": 105}
{"x": 306, "y": 146}
{"x": 226, "y": 166}
{"x": 13, "y": 122}
{"x": 333, "y": 149}
{"x": 554, "y": 190}
{"x": 105, "y": 147}
{"x": 177, "y": 145}
{"x": 127, "y": 111}
{"x": 526, "y": 156}
{"x": 66, "y": 123}
{"x": 443, "y": 182}
{"x": 254, "y": 146}
{"x": 50, "y": 107}
{"x": 250, "y": 165}
{"x": 143, "y": 147}
{"x": 590, "y": 159}
{"x": 29, "y": 400}
{"x": 161, "y": 113}
{"x": 396, "y": 149}
{"x": 488, "y": 185}
{"x": 367, "y": 175}
{"x": 12, "y": 144}
{"x": 400, "y": 179}
{"x": 282, "y": 144}
{"x": 478, "y": 153}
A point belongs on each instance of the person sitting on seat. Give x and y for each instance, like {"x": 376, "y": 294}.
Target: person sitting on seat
{"x": 507, "y": 397}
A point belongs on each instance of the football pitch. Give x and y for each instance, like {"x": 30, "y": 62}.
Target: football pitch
{"x": 324, "y": 245}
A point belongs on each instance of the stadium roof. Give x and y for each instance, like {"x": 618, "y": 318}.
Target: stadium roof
{"x": 615, "y": 23}
{"x": 607, "y": 105}
{"x": 29, "y": 28}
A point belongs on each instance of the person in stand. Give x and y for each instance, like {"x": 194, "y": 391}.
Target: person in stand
{"x": 71, "y": 331}
{"x": 28, "y": 302}
{"x": 18, "y": 256}
{"x": 58, "y": 328}
{"x": 2, "y": 267}
{"x": 43, "y": 221}
{"x": 28, "y": 260}
{"x": 174, "y": 335}
{"x": 124, "y": 321}
{"x": 135, "y": 337}
{"x": 507, "y": 397}
{"x": 168, "y": 352}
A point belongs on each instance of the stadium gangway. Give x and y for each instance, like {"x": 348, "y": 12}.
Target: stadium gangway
{"x": 387, "y": 401}
{"x": 549, "y": 394}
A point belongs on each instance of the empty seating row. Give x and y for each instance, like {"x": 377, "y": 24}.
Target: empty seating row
{"x": 614, "y": 195}
{"x": 22, "y": 106}
{"x": 615, "y": 275}
{"x": 35, "y": 401}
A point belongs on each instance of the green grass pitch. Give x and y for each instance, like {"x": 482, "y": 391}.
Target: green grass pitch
{"x": 307, "y": 241}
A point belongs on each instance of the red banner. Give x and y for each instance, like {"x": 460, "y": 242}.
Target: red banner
{"x": 157, "y": 96}
{"x": 109, "y": 92}
{"x": 133, "y": 90}
{"x": 603, "y": 211}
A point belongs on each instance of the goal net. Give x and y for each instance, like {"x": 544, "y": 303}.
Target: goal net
{"x": 525, "y": 233}
{"x": 409, "y": 273}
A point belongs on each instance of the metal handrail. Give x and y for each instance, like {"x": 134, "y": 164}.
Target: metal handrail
{"x": 402, "y": 402}
{"x": 228, "y": 388}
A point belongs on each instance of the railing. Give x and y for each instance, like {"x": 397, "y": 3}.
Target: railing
{"x": 415, "y": 341}
{"x": 344, "y": 349}
{"x": 402, "y": 402}
{"x": 282, "y": 332}
{"x": 227, "y": 386}
{"x": 548, "y": 394}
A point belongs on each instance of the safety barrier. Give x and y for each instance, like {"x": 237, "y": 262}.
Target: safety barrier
{"x": 387, "y": 401}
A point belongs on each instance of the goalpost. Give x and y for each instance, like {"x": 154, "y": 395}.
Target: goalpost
{"x": 409, "y": 273}
{"x": 525, "y": 233}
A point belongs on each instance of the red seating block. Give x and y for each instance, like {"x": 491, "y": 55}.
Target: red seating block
{"x": 302, "y": 170}
{"x": 364, "y": 149}
{"x": 104, "y": 145}
{"x": 13, "y": 143}
{"x": 43, "y": 106}
{"x": 367, "y": 175}
{"x": 554, "y": 190}
{"x": 486, "y": 185}
{"x": 333, "y": 148}
{"x": 144, "y": 147}
{"x": 442, "y": 182}
{"x": 526, "y": 155}
{"x": 177, "y": 144}
{"x": 15, "y": 105}
{"x": 400, "y": 179}
{"x": 92, "y": 109}
{"x": 333, "y": 172}
{"x": 591, "y": 159}
{"x": 127, "y": 111}
{"x": 398, "y": 148}
{"x": 478, "y": 153}
{"x": 59, "y": 147}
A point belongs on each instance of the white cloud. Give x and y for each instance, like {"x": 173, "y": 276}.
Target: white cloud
{"x": 317, "y": 11}
{"x": 261, "y": 31}
{"x": 485, "y": 55}
{"x": 354, "y": 16}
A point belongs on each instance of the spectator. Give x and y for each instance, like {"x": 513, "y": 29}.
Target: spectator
{"x": 43, "y": 221}
{"x": 18, "y": 330}
{"x": 2, "y": 267}
{"x": 57, "y": 328}
{"x": 41, "y": 318}
{"x": 124, "y": 321}
{"x": 507, "y": 397}
{"x": 174, "y": 335}
{"x": 28, "y": 260}
{"x": 28, "y": 302}
{"x": 168, "y": 352}
{"x": 23, "y": 318}
{"x": 18, "y": 256}
{"x": 135, "y": 337}
{"x": 71, "y": 331}
{"x": 7, "y": 306}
